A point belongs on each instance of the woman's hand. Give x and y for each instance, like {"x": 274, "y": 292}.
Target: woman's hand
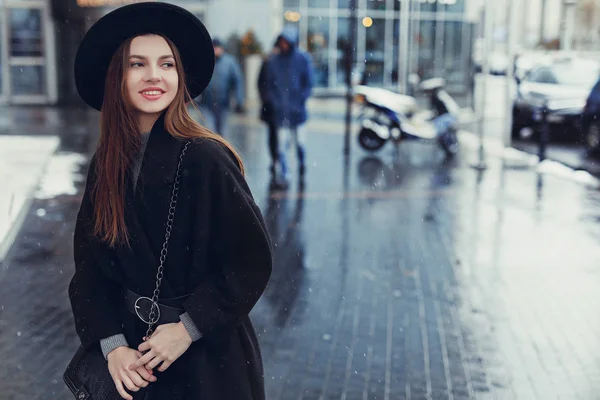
{"x": 166, "y": 345}
{"x": 119, "y": 361}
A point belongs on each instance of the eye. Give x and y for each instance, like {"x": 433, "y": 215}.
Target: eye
{"x": 168, "y": 64}
{"x": 136, "y": 64}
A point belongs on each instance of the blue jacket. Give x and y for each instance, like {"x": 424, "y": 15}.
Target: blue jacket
{"x": 290, "y": 81}
{"x": 227, "y": 77}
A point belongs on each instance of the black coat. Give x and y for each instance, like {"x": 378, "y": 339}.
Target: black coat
{"x": 219, "y": 251}
{"x": 267, "y": 110}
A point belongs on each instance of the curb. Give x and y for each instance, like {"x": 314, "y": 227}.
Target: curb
{"x": 17, "y": 222}
{"x": 525, "y": 160}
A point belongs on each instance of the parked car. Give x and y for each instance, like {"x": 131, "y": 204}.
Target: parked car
{"x": 563, "y": 84}
{"x": 590, "y": 120}
{"x": 526, "y": 61}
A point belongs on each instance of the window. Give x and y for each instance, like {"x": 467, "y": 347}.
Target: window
{"x": 455, "y": 6}
{"x": 440, "y": 5}
{"x": 28, "y": 80}
{"x": 426, "y": 48}
{"x": 374, "y": 54}
{"x": 376, "y": 4}
{"x": 542, "y": 75}
{"x": 342, "y": 43}
{"x": 452, "y": 62}
{"x": 318, "y": 47}
{"x": 345, "y": 3}
{"x": 427, "y": 5}
{"x": 26, "y": 32}
{"x": 395, "y": 49}
{"x": 319, "y": 3}
{"x": 291, "y": 4}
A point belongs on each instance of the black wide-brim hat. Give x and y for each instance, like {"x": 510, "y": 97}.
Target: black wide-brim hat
{"x": 102, "y": 40}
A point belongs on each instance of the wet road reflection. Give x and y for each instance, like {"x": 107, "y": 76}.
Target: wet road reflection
{"x": 283, "y": 217}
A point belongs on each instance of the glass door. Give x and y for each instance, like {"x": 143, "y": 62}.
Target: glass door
{"x": 3, "y": 53}
{"x": 27, "y": 51}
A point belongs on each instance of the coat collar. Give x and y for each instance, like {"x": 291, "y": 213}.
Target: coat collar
{"x": 161, "y": 156}
{"x": 159, "y": 166}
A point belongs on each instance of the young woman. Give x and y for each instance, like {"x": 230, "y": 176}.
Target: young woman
{"x": 141, "y": 65}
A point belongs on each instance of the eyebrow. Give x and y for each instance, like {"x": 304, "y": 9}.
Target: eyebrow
{"x": 145, "y": 58}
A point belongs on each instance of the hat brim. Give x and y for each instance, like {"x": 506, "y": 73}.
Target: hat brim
{"x": 101, "y": 41}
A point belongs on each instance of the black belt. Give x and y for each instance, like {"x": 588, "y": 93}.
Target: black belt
{"x": 169, "y": 310}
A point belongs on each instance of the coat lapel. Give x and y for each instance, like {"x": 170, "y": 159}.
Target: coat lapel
{"x": 157, "y": 173}
{"x": 161, "y": 157}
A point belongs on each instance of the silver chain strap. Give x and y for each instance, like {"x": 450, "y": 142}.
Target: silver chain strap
{"x": 154, "y": 315}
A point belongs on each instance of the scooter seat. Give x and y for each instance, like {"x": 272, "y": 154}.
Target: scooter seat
{"x": 420, "y": 129}
{"x": 395, "y": 102}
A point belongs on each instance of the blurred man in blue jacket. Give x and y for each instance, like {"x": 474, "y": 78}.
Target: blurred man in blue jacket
{"x": 227, "y": 78}
{"x": 289, "y": 85}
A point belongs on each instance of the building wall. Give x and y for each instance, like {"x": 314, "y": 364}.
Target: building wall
{"x": 227, "y": 17}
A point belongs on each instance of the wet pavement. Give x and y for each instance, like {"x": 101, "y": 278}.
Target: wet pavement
{"x": 397, "y": 276}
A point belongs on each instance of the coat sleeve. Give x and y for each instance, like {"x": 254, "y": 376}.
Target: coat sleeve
{"x": 307, "y": 78}
{"x": 262, "y": 82}
{"x": 238, "y": 82}
{"x": 93, "y": 295}
{"x": 240, "y": 249}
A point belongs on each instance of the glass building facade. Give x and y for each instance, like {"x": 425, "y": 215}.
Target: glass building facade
{"x": 26, "y": 52}
{"x": 395, "y": 38}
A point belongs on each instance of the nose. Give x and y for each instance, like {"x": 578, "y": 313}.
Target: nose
{"x": 152, "y": 74}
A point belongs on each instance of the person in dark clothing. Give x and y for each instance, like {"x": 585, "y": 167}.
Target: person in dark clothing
{"x": 445, "y": 108}
{"x": 289, "y": 85}
{"x": 278, "y": 166}
{"x": 138, "y": 67}
{"x": 226, "y": 79}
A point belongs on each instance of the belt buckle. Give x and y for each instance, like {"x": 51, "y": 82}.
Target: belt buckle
{"x": 152, "y": 305}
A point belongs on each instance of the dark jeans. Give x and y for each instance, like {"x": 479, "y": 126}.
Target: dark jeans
{"x": 273, "y": 142}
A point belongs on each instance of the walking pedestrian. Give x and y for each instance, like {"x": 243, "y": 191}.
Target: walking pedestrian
{"x": 171, "y": 252}
{"x": 278, "y": 166}
{"x": 290, "y": 82}
{"x": 226, "y": 80}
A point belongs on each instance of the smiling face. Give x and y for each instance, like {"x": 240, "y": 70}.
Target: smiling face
{"x": 151, "y": 78}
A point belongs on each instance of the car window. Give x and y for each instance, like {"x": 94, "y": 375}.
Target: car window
{"x": 542, "y": 75}
{"x": 595, "y": 93}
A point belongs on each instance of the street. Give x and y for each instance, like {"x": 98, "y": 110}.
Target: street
{"x": 397, "y": 276}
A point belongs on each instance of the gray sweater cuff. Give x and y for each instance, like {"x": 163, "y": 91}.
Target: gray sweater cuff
{"x": 112, "y": 342}
{"x": 190, "y": 326}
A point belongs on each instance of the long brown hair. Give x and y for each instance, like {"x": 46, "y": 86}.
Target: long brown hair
{"x": 120, "y": 142}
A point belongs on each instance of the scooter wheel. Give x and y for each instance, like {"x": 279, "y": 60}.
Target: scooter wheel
{"x": 370, "y": 140}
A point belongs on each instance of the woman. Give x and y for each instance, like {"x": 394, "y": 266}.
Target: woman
{"x": 138, "y": 66}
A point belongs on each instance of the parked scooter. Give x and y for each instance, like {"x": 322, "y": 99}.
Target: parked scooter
{"x": 387, "y": 116}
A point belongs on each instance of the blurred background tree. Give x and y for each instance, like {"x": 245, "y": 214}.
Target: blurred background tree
{"x": 250, "y": 44}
